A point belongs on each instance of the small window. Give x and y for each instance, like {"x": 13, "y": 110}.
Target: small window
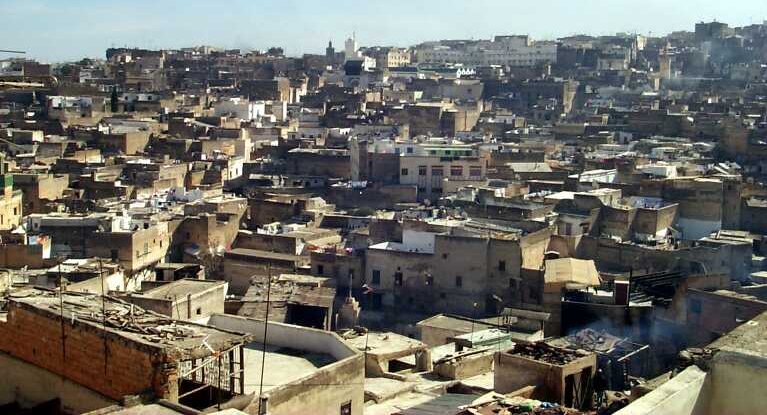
{"x": 501, "y": 265}
{"x": 422, "y": 170}
{"x": 376, "y": 277}
{"x": 404, "y": 172}
{"x": 444, "y": 256}
{"x": 410, "y": 150}
{"x": 346, "y": 409}
{"x": 398, "y": 279}
{"x": 320, "y": 270}
{"x": 456, "y": 171}
{"x": 459, "y": 281}
{"x": 198, "y": 311}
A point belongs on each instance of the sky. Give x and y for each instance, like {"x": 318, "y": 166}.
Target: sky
{"x": 61, "y": 30}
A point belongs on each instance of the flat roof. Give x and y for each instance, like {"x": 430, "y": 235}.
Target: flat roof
{"x": 456, "y": 323}
{"x": 750, "y": 336}
{"x": 244, "y": 253}
{"x": 282, "y": 365}
{"x": 384, "y": 343}
{"x": 181, "y": 288}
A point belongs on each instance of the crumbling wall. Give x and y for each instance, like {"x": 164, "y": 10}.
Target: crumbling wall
{"x": 113, "y": 367}
{"x": 466, "y": 366}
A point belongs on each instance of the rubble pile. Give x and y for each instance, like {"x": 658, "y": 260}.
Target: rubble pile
{"x": 545, "y": 353}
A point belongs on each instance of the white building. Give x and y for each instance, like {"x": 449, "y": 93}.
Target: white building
{"x": 503, "y": 50}
{"x": 240, "y": 108}
{"x": 351, "y": 48}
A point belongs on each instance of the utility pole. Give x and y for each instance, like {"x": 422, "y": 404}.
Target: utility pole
{"x": 103, "y": 314}
{"x": 61, "y": 307}
{"x": 266, "y": 329}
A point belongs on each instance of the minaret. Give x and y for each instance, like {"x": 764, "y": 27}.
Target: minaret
{"x": 330, "y": 51}
{"x": 350, "y": 50}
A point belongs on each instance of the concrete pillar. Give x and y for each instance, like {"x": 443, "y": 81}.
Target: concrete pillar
{"x": 423, "y": 362}
{"x": 263, "y": 405}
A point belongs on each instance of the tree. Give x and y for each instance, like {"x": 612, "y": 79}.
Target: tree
{"x": 113, "y": 100}
{"x": 211, "y": 257}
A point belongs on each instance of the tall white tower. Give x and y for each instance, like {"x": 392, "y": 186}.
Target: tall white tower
{"x": 351, "y": 47}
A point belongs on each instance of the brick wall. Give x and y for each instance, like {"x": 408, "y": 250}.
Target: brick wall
{"x": 131, "y": 368}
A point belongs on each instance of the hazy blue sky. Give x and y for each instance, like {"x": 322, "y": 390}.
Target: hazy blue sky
{"x": 56, "y": 30}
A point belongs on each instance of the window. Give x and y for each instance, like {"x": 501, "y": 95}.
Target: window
{"x": 422, "y": 170}
{"x": 198, "y": 311}
{"x": 501, "y": 265}
{"x": 410, "y": 150}
{"x": 475, "y": 171}
{"x": 459, "y": 281}
{"x": 437, "y": 171}
{"x": 444, "y": 256}
{"x": 456, "y": 171}
{"x": 376, "y": 277}
{"x": 320, "y": 269}
{"x": 404, "y": 172}
{"x": 398, "y": 279}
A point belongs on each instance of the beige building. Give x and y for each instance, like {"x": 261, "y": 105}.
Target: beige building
{"x": 10, "y": 204}
{"x": 429, "y": 270}
{"x": 392, "y": 58}
{"x": 431, "y": 168}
